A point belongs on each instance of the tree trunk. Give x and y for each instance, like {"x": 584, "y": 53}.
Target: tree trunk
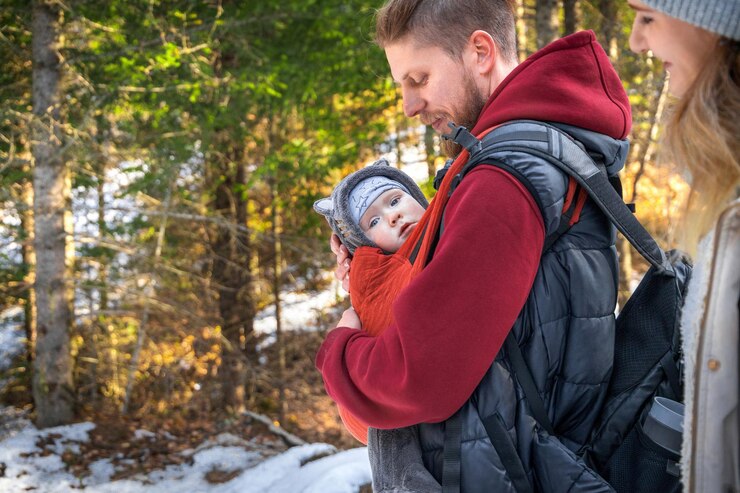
{"x": 521, "y": 31}
{"x": 232, "y": 252}
{"x": 52, "y": 379}
{"x": 546, "y": 20}
{"x": 29, "y": 260}
{"x": 149, "y": 291}
{"x": 276, "y": 287}
{"x": 102, "y": 228}
{"x": 429, "y": 148}
{"x": 609, "y": 28}
{"x": 656, "y": 113}
{"x": 570, "y": 15}
{"x": 232, "y": 277}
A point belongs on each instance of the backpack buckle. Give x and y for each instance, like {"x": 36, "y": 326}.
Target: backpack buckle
{"x": 440, "y": 175}
{"x": 462, "y": 136}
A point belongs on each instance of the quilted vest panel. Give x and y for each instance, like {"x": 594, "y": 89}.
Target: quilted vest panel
{"x": 566, "y": 332}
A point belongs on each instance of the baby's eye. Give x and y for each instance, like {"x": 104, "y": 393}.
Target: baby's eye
{"x": 645, "y": 20}
{"x": 395, "y": 200}
{"x": 373, "y": 222}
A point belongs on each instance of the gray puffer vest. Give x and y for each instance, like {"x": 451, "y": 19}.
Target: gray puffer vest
{"x": 566, "y": 333}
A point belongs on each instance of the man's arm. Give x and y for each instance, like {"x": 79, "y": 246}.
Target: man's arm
{"x": 452, "y": 318}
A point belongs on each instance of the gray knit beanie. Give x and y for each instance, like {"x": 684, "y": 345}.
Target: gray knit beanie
{"x": 337, "y": 208}
{"x": 364, "y": 194}
{"x": 718, "y": 16}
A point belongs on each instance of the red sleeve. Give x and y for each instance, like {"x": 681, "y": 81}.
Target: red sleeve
{"x": 452, "y": 319}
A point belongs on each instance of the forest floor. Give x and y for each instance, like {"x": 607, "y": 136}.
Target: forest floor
{"x": 116, "y": 457}
{"x": 308, "y": 451}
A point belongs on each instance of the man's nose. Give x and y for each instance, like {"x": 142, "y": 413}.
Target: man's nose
{"x": 412, "y": 103}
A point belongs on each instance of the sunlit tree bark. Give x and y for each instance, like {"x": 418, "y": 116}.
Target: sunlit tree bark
{"x": 52, "y": 379}
{"x": 570, "y": 16}
{"x": 546, "y": 20}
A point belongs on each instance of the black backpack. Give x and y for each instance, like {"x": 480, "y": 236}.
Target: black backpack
{"x": 647, "y": 352}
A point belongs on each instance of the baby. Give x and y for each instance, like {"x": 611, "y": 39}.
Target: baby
{"x": 374, "y": 211}
{"x": 377, "y": 206}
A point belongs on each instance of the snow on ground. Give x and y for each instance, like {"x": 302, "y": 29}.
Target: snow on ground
{"x": 311, "y": 468}
{"x": 11, "y": 335}
{"x": 299, "y": 311}
{"x": 12, "y": 338}
{"x": 32, "y": 459}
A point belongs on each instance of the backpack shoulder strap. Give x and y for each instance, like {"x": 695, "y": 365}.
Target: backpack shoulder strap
{"x": 562, "y": 151}
{"x": 526, "y": 381}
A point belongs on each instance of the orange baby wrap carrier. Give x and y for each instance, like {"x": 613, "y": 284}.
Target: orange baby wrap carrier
{"x": 376, "y": 278}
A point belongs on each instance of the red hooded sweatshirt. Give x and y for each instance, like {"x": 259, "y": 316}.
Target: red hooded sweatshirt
{"x": 451, "y": 319}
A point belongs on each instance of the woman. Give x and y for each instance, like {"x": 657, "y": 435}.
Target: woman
{"x": 698, "y": 42}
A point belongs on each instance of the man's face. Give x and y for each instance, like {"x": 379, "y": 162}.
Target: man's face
{"x": 435, "y": 87}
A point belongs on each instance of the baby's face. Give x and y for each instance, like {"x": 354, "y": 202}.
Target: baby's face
{"x": 391, "y": 218}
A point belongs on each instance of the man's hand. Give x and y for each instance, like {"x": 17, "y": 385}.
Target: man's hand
{"x": 350, "y": 319}
{"x": 343, "y": 261}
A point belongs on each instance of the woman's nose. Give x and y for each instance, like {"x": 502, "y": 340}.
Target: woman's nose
{"x": 637, "y": 40}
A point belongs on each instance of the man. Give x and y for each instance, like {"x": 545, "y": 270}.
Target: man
{"x": 455, "y": 61}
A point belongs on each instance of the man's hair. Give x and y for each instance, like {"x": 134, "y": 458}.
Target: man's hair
{"x": 447, "y": 24}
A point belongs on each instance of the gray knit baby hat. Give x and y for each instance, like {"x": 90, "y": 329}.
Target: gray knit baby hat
{"x": 337, "y": 211}
{"x": 718, "y": 16}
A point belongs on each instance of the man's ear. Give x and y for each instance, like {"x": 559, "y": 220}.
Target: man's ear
{"x": 482, "y": 51}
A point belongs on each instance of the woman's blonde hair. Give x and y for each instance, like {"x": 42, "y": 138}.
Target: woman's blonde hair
{"x": 703, "y": 136}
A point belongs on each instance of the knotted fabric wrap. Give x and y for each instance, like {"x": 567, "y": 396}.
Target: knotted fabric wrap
{"x": 376, "y": 278}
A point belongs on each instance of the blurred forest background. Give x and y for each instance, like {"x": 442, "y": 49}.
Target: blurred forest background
{"x": 158, "y": 162}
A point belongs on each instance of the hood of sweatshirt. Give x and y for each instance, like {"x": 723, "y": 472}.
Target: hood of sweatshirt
{"x": 569, "y": 82}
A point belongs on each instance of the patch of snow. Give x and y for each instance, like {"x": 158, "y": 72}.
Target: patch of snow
{"x": 299, "y": 311}
{"x": 144, "y": 434}
{"x": 79, "y": 432}
{"x": 338, "y": 473}
{"x": 26, "y": 469}
{"x": 12, "y": 336}
{"x": 100, "y": 472}
{"x": 12, "y": 421}
{"x": 225, "y": 459}
{"x": 222, "y": 440}
{"x": 311, "y": 468}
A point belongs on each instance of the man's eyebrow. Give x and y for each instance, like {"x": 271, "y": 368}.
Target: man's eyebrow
{"x": 398, "y": 82}
{"x": 638, "y": 8}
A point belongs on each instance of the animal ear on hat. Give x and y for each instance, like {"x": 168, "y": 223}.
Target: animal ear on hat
{"x": 381, "y": 162}
{"x": 324, "y": 207}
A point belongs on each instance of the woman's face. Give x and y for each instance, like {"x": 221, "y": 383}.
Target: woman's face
{"x": 682, "y": 47}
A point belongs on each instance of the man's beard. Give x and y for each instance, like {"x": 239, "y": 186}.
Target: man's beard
{"x": 469, "y": 113}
